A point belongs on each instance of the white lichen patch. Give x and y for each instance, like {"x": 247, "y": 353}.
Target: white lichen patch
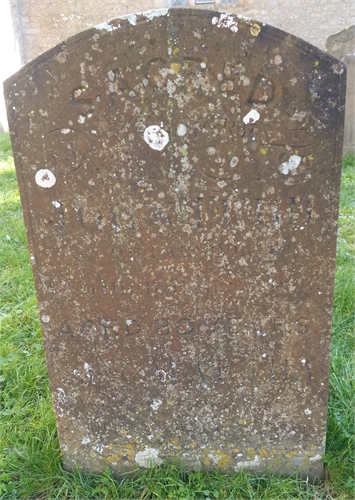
{"x": 181, "y": 130}
{"x": 106, "y": 26}
{"x": 45, "y": 318}
{"x": 277, "y": 60}
{"x": 85, "y": 440}
{"x": 307, "y": 411}
{"x": 61, "y": 395}
{"x": 59, "y": 399}
{"x": 65, "y": 130}
{"x": 247, "y": 464}
{"x": 148, "y": 458}
{"x": 338, "y": 68}
{"x": 156, "y": 137}
{"x": 251, "y": 117}
{"x": 56, "y": 204}
{"x": 156, "y": 403}
{"x": 234, "y": 161}
{"x": 87, "y": 369}
{"x": 226, "y": 21}
{"x": 45, "y": 178}
{"x": 291, "y": 165}
{"x": 151, "y": 14}
{"x": 315, "y": 458}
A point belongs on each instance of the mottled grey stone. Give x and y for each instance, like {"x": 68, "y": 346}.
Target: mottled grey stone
{"x": 179, "y": 174}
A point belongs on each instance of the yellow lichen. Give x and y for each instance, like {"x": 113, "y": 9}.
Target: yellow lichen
{"x": 255, "y": 29}
{"x": 263, "y": 453}
{"x": 224, "y": 459}
{"x": 175, "y": 67}
{"x": 130, "y": 452}
{"x": 263, "y": 151}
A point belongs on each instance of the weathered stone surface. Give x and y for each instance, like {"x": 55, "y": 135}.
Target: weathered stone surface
{"x": 179, "y": 173}
{"x": 342, "y": 46}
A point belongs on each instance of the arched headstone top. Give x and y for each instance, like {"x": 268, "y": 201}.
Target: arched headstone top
{"x": 179, "y": 173}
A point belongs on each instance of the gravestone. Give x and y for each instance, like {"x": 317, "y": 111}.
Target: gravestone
{"x": 179, "y": 173}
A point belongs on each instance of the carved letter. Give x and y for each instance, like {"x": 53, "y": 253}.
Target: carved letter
{"x": 88, "y": 328}
{"x": 110, "y": 326}
{"x": 184, "y": 326}
{"x": 279, "y": 326}
{"x": 162, "y": 327}
{"x": 66, "y": 330}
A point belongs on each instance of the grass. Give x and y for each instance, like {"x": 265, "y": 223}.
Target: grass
{"x": 30, "y": 466}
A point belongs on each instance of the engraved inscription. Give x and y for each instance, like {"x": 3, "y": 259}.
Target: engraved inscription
{"x": 233, "y": 327}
